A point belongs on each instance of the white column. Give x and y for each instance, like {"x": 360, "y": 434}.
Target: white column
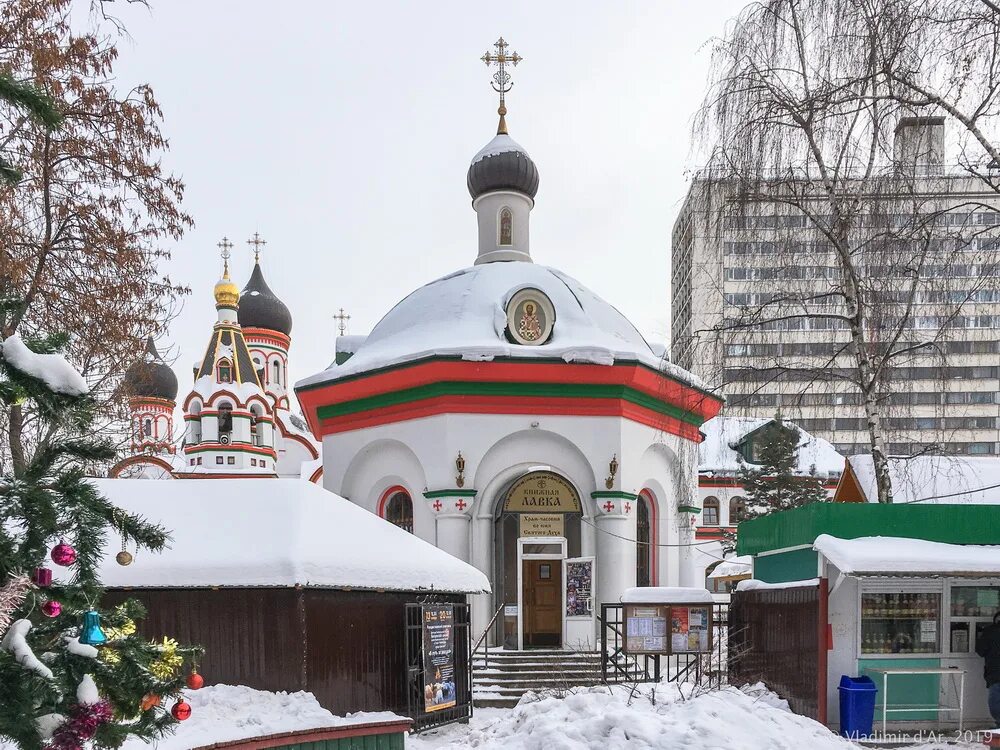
{"x": 452, "y": 510}
{"x": 615, "y": 520}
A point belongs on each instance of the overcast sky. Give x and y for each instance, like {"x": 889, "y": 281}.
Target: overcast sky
{"x": 342, "y": 132}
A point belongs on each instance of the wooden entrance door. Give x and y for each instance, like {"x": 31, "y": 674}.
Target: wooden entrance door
{"x": 542, "y": 599}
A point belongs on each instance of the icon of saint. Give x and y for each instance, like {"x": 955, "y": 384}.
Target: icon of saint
{"x": 529, "y": 327}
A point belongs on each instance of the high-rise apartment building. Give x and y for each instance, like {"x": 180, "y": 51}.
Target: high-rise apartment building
{"x": 731, "y": 260}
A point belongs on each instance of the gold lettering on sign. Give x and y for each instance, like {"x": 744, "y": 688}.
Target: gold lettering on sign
{"x": 542, "y": 524}
{"x": 542, "y": 491}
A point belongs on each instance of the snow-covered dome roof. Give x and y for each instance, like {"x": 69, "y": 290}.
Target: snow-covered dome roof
{"x": 502, "y": 164}
{"x": 464, "y": 315}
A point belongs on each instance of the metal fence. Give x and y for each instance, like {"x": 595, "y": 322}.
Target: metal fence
{"x": 774, "y": 641}
{"x": 707, "y": 669}
{"x": 462, "y": 709}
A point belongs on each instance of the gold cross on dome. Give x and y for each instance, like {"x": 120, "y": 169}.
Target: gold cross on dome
{"x": 257, "y": 242}
{"x": 501, "y": 79}
{"x": 342, "y": 319}
{"x": 225, "y": 246}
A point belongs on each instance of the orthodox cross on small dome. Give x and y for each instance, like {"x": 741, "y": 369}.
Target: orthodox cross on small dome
{"x": 225, "y": 246}
{"x": 342, "y": 319}
{"x": 501, "y": 79}
{"x": 257, "y": 242}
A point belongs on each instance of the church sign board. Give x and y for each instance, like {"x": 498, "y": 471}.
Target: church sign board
{"x": 542, "y": 524}
{"x": 439, "y": 656}
{"x": 542, "y": 492}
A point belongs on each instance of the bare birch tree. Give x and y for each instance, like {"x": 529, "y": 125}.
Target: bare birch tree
{"x": 876, "y": 253}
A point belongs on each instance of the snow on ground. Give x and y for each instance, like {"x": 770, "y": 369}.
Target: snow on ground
{"x": 679, "y": 718}
{"x": 669, "y": 716}
{"x": 230, "y": 712}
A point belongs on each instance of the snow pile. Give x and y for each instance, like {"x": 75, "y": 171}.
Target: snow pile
{"x": 222, "y": 713}
{"x": 603, "y": 719}
{"x": 753, "y": 584}
{"x": 462, "y": 315}
{"x": 52, "y": 369}
{"x": 882, "y": 554}
{"x": 313, "y": 538}
{"x": 717, "y": 453}
{"x": 934, "y": 479}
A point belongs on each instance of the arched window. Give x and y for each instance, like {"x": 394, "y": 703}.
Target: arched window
{"x": 276, "y": 369}
{"x": 644, "y": 540}
{"x": 225, "y": 418}
{"x": 399, "y": 510}
{"x": 225, "y": 371}
{"x": 737, "y": 509}
{"x": 506, "y": 227}
{"x": 147, "y": 428}
{"x": 710, "y": 512}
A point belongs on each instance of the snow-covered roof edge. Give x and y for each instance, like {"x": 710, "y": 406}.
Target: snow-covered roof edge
{"x": 666, "y": 595}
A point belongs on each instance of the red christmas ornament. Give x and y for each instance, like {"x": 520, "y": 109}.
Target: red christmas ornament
{"x": 63, "y": 554}
{"x": 51, "y": 608}
{"x": 42, "y": 577}
{"x": 195, "y": 681}
{"x": 181, "y": 710}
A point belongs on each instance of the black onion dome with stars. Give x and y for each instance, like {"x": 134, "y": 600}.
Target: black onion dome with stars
{"x": 261, "y": 308}
{"x": 151, "y": 377}
{"x": 502, "y": 165}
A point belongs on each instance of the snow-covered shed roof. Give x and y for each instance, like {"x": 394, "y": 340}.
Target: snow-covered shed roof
{"x": 882, "y": 555}
{"x": 932, "y": 479}
{"x": 733, "y": 567}
{"x": 667, "y": 595}
{"x": 717, "y": 453}
{"x": 462, "y": 315}
{"x": 274, "y": 532}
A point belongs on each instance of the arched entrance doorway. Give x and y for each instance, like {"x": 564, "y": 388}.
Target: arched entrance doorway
{"x": 536, "y": 530}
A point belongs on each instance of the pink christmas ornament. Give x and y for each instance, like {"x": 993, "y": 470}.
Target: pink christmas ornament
{"x": 42, "y": 577}
{"x": 51, "y": 608}
{"x": 63, "y": 554}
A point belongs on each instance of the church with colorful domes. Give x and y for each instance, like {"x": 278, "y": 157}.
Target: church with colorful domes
{"x": 237, "y": 415}
{"x": 510, "y": 416}
{"x": 505, "y": 413}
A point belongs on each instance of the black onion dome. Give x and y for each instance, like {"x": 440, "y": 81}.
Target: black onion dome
{"x": 260, "y": 308}
{"x": 151, "y": 377}
{"x": 502, "y": 165}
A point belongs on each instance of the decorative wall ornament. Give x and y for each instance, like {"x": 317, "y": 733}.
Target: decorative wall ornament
{"x": 530, "y": 317}
{"x": 460, "y": 466}
{"x": 613, "y": 468}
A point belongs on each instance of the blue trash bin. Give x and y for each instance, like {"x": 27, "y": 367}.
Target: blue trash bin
{"x": 857, "y": 706}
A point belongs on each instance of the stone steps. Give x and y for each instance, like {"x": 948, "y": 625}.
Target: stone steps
{"x": 501, "y": 679}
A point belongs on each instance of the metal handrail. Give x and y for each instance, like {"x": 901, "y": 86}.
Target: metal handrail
{"x": 482, "y": 639}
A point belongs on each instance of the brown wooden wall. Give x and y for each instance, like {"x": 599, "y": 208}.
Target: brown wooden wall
{"x": 773, "y": 639}
{"x": 345, "y": 647}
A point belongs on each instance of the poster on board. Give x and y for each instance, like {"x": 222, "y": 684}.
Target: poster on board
{"x": 646, "y": 629}
{"x": 689, "y": 629}
{"x": 439, "y": 656}
{"x": 579, "y": 588}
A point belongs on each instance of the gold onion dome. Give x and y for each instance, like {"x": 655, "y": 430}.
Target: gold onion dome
{"x": 227, "y": 294}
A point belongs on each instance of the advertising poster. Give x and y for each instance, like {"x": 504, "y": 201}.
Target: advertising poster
{"x": 579, "y": 585}
{"x": 439, "y": 656}
{"x": 689, "y": 629}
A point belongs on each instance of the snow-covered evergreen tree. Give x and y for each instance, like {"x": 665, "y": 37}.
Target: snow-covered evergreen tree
{"x": 774, "y": 482}
{"x": 58, "y": 689}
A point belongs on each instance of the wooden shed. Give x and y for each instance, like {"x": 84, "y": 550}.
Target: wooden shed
{"x": 290, "y": 587}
